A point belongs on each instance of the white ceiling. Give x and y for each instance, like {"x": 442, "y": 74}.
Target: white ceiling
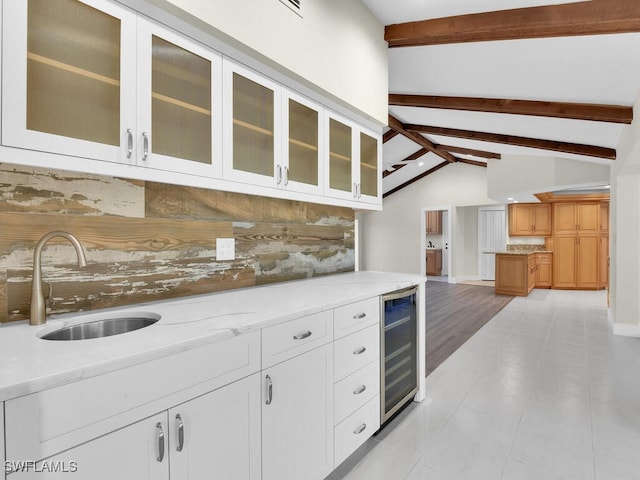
{"x": 598, "y": 69}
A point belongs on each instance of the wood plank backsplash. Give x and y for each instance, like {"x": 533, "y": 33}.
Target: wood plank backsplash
{"x": 147, "y": 241}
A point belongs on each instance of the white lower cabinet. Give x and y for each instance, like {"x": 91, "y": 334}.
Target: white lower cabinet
{"x": 297, "y": 417}
{"x": 135, "y": 452}
{"x": 218, "y": 432}
{"x": 217, "y": 435}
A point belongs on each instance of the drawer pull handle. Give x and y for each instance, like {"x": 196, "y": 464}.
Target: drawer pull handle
{"x": 269, "y": 390}
{"x": 180, "y": 425}
{"x": 360, "y": 429}
{"x": 360, "y": 315}
{"x": 302, "y": 336}
{"x": 360, "y": 389}
{"x": 360, "y": 351}
{"x": 160, "y": 436}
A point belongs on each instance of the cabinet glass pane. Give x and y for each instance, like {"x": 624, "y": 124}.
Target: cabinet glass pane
{"x": 339, "y": 156}
{"x": 303, "y": 144}
{"x": 253, "y": 110}
{"x": 368, "y": 165}
{"x": 73, "y": 71}
{"x": 181, "y": 103}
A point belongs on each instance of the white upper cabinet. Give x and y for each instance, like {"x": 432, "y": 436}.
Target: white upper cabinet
{"x": 251, "y": 116}
{"x": 69, "y": 78}
{"x": 354, "y": 157}
{"x": 179, "y": 103}
{"x": 95, "y": 82}
{"x": 303, "y": 144}
{"x": 368, "y": 172}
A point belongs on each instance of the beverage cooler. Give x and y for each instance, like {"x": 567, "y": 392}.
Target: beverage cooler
{"x": 398, "y": 351}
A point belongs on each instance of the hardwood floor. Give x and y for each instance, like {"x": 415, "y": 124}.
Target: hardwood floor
{"x": 454, "y": 313}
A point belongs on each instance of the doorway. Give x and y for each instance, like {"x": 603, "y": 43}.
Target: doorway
{"x": 436, "y": 243}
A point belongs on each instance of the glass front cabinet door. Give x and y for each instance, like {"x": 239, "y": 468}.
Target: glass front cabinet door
{"x": 354, "y": 159}
{"x": 69, "y": 78}
{"x": 251, "y": 116}
{"x": 179, "y": 98}
{"x": 302, "y": 146}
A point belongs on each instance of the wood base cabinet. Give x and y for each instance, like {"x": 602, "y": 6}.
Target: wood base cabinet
{"x": 515, "y": 274}
{"x": 544, "y": 270}
{"x": 434, "y": 262}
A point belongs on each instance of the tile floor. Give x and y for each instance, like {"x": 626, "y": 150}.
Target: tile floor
{"x": 543, "y": 391}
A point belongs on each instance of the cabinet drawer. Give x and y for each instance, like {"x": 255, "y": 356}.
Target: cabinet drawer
{"x": 354, "y": 351}
{"x": 44, "y": 423}
{"x": 290, "y": 339}
{"x": 353, "y": 392}
{"x": 356, "y": 429}
{"x": 355, "y": 316}
{"x": 543, "y": 258}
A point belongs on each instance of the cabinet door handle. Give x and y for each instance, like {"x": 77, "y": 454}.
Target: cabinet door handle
{"x": 360, "y": 429}
{"x": 145, "y": 146}
{"x": 269, "y": 390}
{"x": 360, "y": 351}
{"x": 303, "y": 335}
{"x": 180, "y": 425}
{"x": 160, "y": 438}
{"x": 360, "y": 389}
{"x": 129, "y": 143}
{"x": 359, "y": 316}
{"x": 286, "y": 176}
{"x": 278, "y": 174}
{"x": 355, "y": 190}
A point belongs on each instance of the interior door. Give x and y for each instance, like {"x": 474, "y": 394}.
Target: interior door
{"x": 491, "y": 239}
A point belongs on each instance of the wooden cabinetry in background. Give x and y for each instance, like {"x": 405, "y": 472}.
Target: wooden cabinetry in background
{"x": 578, "y": 245}
{"x": 544, "y": 270}
{"x": 434, "y": 262}
{"x": 530, "y": 219}
{"x": 515, "y": 273}
{"x": 434, "y": 222}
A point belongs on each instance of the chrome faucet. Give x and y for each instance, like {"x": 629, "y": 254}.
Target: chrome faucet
{"x": 38, "y": 313}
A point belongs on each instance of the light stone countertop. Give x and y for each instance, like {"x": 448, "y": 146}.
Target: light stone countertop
{"x": 30, "y": 364}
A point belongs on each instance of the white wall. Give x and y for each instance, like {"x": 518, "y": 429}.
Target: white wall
{"x": 465, "y": 256}
{"x": 338, "y": 46}
{"x": 624, "y": 237}
{"x": 520, "y": 176}
{"x": 392, "y": 239}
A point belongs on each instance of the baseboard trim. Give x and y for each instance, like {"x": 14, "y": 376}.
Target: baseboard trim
{"x": 626, "y": 330}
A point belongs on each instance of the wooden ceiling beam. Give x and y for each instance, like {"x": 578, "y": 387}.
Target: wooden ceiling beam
{"x": 575, "y": 111}
{"x": 388, "y": 135}
{"x": 470, "y": 151}
{"x": 595, "y": 17}
{"x": 415, "y": 179}
{"x": 472, "y": 162}
{"x": 397, "y": 126}
{"x": 553, "y": 145}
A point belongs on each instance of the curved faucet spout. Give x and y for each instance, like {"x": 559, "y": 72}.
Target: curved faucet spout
{"x": 38, "y": 314}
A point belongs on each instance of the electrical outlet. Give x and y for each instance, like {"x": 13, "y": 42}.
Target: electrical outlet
{"x": 225, "y": 248}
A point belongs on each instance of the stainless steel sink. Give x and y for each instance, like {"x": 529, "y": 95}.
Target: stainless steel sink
{"x": 105, "y": 327}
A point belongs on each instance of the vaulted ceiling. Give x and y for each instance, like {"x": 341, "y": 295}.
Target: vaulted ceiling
{"x": 470, "y": 81}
